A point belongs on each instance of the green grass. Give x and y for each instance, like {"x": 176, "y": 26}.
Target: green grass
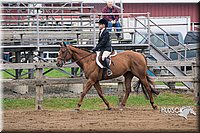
{"x": 162, "y": 83}
{"x": 164, "y": 99}
{"x": 17, "y": 103}
{"x": 7, "y": 76}
{"x": 56, "y": 74}
{"x": 179, "y": 84}
{"x": 53, "y": 74}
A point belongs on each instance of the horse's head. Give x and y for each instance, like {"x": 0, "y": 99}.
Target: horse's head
{"x": 192, "y": 111}
{"x": 64, "y": 55}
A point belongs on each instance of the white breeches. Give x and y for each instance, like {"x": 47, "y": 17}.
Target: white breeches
{"x": 105, "y": 55}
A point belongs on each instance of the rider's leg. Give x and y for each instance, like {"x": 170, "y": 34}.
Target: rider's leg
{"x": 106, "y": 62}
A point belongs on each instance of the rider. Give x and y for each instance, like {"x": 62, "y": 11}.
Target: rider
{"x": 104, "y": 44}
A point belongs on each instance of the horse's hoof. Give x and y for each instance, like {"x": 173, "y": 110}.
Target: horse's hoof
{"x": 77, "y": 110}
{"x": 157, "y": 92}
{"x": 109, "y": 108}
{"x": 121, "y": 107}
{"x": 155, "y": 107}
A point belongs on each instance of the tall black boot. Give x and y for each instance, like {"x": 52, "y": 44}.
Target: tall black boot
{"x": 106, "y": 64}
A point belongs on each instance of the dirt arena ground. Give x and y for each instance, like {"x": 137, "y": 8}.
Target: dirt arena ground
{"x": 130, "y": 119}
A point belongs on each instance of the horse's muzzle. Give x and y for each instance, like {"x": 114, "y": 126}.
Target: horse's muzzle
{"x": 60, "y": 64}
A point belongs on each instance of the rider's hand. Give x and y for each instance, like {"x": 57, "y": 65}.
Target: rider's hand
{"x": 93, "y": 50}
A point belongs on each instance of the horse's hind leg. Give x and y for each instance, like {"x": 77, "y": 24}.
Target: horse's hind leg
{"x": 128, "y": 77}
{"x": 100, "y": 93}
{"x": 147, "y": 86}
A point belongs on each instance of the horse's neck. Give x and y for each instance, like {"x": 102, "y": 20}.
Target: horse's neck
{"x": 79, "y": 54}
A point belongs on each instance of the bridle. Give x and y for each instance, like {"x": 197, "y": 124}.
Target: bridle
{"x": 64, "y": 59}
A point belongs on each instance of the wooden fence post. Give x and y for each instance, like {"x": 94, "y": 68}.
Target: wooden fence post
{"x": 39, "y": 90}
{"x": 196, "y": 83}
{"x": 120, "y": 91}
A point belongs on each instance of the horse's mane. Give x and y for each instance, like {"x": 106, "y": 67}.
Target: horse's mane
{"x": 59, "y": 43}
{"x": 82, "y": 49}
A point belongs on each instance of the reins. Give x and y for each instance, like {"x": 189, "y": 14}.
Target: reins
{"x": 79, "y": 59}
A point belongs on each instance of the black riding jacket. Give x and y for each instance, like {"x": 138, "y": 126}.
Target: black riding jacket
{"x": 104, "y": 43}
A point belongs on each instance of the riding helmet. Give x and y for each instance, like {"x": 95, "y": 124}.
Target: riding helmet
{"x": 103, "y": 21}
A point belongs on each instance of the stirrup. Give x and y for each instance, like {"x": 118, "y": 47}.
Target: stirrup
{"x": 109, "y": 72}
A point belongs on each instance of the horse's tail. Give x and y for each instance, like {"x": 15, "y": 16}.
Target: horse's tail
{"x": 151, "y": 81}
{"x": 151, "y": 84}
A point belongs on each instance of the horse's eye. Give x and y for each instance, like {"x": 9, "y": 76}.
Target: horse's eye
{"x": 63, "y": 50}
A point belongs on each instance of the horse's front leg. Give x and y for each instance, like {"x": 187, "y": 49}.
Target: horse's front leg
{"x": 98, "y": 88}
{"x": 87, "y": 87}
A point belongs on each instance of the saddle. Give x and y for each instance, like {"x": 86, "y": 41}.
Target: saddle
{"x": 99, "y": 55}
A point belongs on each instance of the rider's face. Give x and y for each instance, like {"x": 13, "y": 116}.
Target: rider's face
{"x": 101, "y": 26}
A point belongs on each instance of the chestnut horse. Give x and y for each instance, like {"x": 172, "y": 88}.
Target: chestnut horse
{"x": 127, "y": 63}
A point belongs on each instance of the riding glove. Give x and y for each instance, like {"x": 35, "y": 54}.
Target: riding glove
{"x": 94, "y": 50}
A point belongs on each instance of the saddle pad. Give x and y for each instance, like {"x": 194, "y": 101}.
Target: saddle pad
{"x": 97, "y": 58}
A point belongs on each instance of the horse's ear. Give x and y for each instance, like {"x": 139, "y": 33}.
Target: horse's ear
{"x": 64, "y": 44}
{"x": 60, "y": 44}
